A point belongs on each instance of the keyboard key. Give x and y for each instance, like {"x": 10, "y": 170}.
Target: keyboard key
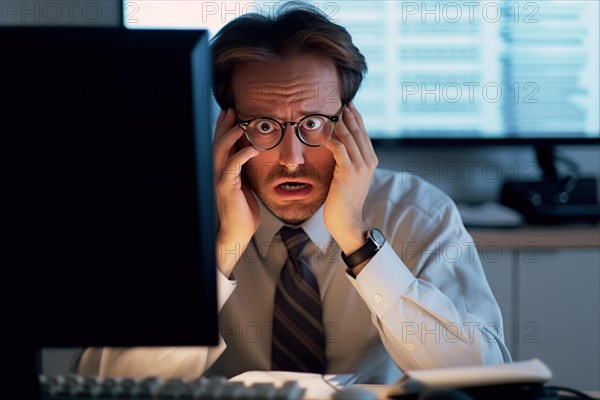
{"x": 265, "y": 391}
{"x": 290, "y": 390}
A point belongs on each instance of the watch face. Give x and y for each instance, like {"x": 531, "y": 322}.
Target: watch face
{"x": 377, "y": 237}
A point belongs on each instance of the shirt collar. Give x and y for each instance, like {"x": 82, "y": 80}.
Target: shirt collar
{"x": 270, "y": 225}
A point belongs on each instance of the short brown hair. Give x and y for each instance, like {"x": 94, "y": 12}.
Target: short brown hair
{"x": 296, "y": 28}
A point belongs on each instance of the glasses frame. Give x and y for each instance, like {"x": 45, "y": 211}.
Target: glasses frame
{"x": 333, "y": 118}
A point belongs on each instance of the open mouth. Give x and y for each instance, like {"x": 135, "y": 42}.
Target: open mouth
{"x": 293, "y": 190}
{"x": 292, "y": 186}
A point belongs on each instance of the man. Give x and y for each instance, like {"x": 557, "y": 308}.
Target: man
{"x": 379, "y": 287}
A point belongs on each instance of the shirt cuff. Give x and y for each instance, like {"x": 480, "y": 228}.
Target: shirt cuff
{"x": 383, "y": 280}
{"x": 225, "y": 288}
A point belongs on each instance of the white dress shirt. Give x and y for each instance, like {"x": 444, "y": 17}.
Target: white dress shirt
{"x": 422, "y": 301}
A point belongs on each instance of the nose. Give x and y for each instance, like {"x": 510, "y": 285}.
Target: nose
{"x": 291, "y": 149}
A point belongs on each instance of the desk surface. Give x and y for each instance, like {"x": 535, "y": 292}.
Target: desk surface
{"x": 543, "y": 236}
{"x": 381, "y": 391}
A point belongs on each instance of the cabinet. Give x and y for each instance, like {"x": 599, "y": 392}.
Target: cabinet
{"x": 547, "y": 283}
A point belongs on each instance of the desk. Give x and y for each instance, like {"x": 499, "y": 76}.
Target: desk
{"x": 381, "y": 390}
{"x": 546, "y": 237}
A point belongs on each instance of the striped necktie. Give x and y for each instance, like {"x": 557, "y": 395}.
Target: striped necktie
{"x": 298, "y": 334}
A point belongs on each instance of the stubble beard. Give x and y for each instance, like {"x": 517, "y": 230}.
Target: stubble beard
{"x": 296, "y": 211}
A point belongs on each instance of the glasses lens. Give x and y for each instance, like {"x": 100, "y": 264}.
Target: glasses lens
{"x": 315, "y": 129}
{"x": 263, "y": 133}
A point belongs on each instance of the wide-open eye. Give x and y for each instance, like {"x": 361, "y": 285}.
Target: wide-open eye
{"x": 264, "y": 126}
{"x": 312, "y": 123}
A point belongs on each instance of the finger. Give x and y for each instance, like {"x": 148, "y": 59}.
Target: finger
{"x": 352, "y": 121}
{"x": 357, "y": 116}
{"x": 345, "y": 136}
{"x": 339, "y": 152}
{"x": 361, "y": 136}
{"x": 233, "y": 168}
{"x": 225, "y": 122}
{"x": 226, "y": 135}
{"x": 360, "y": 147}
{"x": 225, "y": 147}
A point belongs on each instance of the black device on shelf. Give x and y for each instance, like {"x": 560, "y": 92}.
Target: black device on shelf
{"x": 554, "y": 199}
{"x": 110, "y": 184}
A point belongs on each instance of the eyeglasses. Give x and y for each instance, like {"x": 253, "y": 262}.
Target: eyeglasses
{"x": 314, "y": 130}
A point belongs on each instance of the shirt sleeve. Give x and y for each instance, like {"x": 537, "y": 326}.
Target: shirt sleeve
{"x": 165, "y": 362}
{"x": 440, "y": 311}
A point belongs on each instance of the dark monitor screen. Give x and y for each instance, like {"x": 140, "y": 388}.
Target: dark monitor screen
{"x": 110, "y": 157}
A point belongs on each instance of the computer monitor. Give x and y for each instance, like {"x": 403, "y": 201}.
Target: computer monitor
{"x": 480, "y": 73}
{"x": 444, "y": 73}
{"x": 111, "y": 176}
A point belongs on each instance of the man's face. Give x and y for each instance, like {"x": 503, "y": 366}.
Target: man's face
{"x": 292, "y": 179}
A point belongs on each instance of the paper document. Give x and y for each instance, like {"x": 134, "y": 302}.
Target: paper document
{"x": 530, "y": 371}
{"x": 316, "y": 385}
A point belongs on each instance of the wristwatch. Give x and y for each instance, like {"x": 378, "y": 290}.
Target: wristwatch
{"x": 375, "y": 240}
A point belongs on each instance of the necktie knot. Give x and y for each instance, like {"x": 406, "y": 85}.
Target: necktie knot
{"x": 295, "y": 240}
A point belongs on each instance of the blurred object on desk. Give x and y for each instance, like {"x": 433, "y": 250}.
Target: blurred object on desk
{"x": 489, "y": 215}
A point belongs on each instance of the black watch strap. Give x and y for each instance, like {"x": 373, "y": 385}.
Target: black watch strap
{"x": 375, "y": 240}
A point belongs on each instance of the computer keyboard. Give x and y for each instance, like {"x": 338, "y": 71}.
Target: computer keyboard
{"x": 75, "y": 387}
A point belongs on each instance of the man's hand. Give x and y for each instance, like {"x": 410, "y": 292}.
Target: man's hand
{"x": 238, "y": 212}
{"x": 355, "y": 164}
